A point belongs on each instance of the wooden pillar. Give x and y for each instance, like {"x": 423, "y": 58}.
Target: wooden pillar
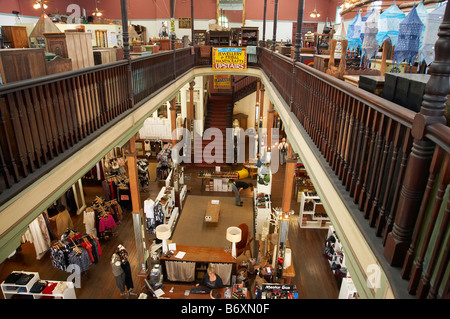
{"x": 264, "y": 21}
{"x": 416, "y": 174}
{"x": 288, "y": 185}
{"x": 133, "y": 176}
{"x": 126, "y": 51}
{"x": 173, "y": 120}
{"x": 298, "y": 31}
{"x": 192, "y": 23}
{"x": 191, "y": 111}
{"x": 261, "y": 101}
{"x": 275, "y": 18}
{"x": 269, "y": 128}
{"x": 137, "y": 211}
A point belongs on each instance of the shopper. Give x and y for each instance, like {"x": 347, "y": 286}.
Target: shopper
{"x": 283, "y": 147}
{"x": 237, "y": 186}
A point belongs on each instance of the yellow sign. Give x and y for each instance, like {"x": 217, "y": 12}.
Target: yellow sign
{"x": 222, "y": 81}
{"x": 229, "y": 59}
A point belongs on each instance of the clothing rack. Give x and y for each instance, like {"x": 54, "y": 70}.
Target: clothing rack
{"x": 75, "y": 250}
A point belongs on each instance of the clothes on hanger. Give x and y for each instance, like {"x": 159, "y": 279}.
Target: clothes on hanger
{"x": 75, "y": 249}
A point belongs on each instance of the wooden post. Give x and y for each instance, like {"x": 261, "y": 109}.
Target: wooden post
{"x": 137, "y": 211}
{"x": 416, "y": 174}
{"x": 270, "y": 127}
{"x": 275, "y": 18}
{"x": 264, "y": 21}
{"x": 261, "y": 101}
{"x": 298, "y": 31}
{"x": 191, "y": 112}
{"x": 192, "y": 23}
{"x": 126, "y": 51}
{"x": 288, "y": 185}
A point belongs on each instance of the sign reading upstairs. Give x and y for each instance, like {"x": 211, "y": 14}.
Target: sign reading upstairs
{"x": 229, "y": 59}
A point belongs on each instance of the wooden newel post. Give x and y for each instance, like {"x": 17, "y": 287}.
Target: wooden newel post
{"x": 417, "y": 170}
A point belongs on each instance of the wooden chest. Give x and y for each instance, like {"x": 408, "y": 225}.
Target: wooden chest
{"x": 21, "y": 64}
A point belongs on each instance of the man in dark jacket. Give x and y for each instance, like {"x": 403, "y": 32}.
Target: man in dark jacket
{"x": 237, "y": 186}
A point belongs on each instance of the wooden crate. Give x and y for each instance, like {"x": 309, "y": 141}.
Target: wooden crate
{"x": 212, "y": 214}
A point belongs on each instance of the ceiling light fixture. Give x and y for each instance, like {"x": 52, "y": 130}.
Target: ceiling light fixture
{"x": 39, "y": 4}
{"x": 314, "y": 13}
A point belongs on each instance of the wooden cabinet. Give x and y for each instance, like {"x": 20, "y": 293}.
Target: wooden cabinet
{"x": 15, "y": 37}
{"x": 74, "y": 45}
{"x": 219, "y": 38}
{"x": 200, "y": 37}
{"x": 21, "y": 64}
{"x": 250, "y": 36}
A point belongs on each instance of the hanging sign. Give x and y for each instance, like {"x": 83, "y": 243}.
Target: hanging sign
{"x": 229, "y": 59}
{"x": 222, "y": 81}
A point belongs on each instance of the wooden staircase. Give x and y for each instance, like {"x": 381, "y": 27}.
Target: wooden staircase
{"x": 220, "y": 116}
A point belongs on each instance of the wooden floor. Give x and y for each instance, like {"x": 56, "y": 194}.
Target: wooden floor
{"x": 314, "y": 278}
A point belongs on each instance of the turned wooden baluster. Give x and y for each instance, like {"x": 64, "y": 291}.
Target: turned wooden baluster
{"x": 356, "y": 161}
{"x": 425, "y": 284}
{"x": 353, "y": 142}
{"x": 375, "y": 171}
{"x": 373, "y": 216}
{"x": 416, "y": 175}
{"x": 360, "y": 180}
{"x": 443, "y": 182}
{"x": 445, "y": 257}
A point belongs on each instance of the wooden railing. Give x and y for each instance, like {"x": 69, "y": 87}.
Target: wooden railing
{"x": 393, "y": 162}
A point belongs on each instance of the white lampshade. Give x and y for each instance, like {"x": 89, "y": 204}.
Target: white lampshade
{"x": 287, "y": 258}
{"x": 163, "y": 232}
{"x": 234, "y": 234}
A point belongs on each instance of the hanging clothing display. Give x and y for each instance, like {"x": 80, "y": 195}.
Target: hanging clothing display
{"x": 75, "y": 249}
{"x": 370, "y": 45}
{"x": 123, "y": 256}
{"x": 434, "y": 20}
{"x": 408, "y": 38}
{"x": 89, "y": 221}
{"x": 388, "y": 24}
{"x": 143, "y": 174}
{"x": 354, "y": 33}
{"x": 38, "y": 234}
{"x": 108, "y": 215}
{"x": 63, "y": 222}
{"x": 155, "y": 219}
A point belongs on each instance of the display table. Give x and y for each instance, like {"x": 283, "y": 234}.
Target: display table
{"x": 212, "y": 213}
{"x": 372, "y": 83}
{"x": 201, "y": 256}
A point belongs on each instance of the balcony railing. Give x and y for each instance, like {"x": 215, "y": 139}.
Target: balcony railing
{"x": 392, "y": 162}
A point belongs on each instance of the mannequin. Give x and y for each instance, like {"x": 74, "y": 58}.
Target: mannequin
{"x": 122, "y": 253}
{"x": 118, "y": 273}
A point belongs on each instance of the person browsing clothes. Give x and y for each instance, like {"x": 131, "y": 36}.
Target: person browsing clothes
{"x": 237, "y": 186}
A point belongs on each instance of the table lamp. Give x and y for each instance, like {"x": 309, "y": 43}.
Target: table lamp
{"x": 163, "y": 233}
{"x": 234, "y": 235}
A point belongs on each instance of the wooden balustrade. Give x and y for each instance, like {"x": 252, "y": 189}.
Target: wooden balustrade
{"x": 366, "y": 140}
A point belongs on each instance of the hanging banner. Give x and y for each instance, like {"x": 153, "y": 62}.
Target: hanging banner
{"x": 222, "y": 81}
{"x": 229, "y": 59}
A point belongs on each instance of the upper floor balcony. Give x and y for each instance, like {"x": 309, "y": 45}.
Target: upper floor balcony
{"x": 387, "y": 167}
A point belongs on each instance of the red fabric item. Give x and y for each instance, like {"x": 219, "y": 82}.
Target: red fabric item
{"x": 99, "y": 250}
{"x": 49, "y": 288}
{"x": 86, "y": 245}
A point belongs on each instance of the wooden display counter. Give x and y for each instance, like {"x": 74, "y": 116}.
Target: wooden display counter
{"x": 202, "y": 254}
{"x": 180, "y": 292}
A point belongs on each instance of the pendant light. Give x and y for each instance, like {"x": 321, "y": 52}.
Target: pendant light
{"x": 314, "y": 13}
